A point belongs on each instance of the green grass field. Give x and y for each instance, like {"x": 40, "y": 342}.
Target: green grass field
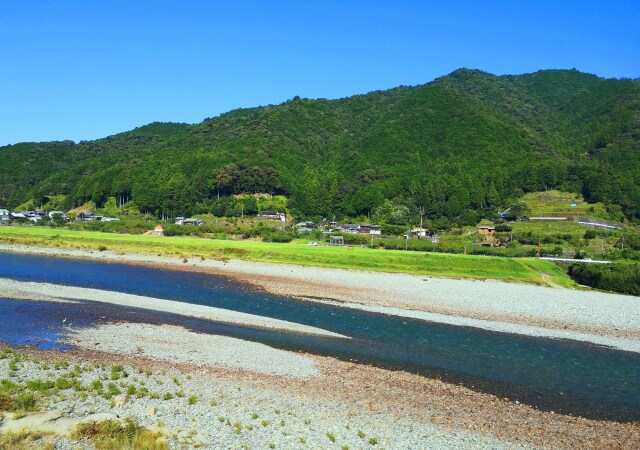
{"x": 438, "y": 264}
{"x": 573, "y": 229}
{"x": 559, "y": 203}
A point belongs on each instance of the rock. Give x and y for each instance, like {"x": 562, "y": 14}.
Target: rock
{"x": 98, "y": 417}
{"x": 152, "y": 411}
{"x": 120, "y": 400}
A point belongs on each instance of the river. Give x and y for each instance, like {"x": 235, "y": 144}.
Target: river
{"x": 560, "y": 375}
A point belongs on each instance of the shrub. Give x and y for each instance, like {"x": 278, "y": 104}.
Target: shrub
{"x": 617, "y": 277}
{"x": 25, "y": 401}
{"x": 23, "y": 439}
{"x": 63, "y": 383}
{"x": 6, "y": 402}
{"x": 503, "y": 228}
{"x": 112, "y": 435}
{"x": 271, "y": 235}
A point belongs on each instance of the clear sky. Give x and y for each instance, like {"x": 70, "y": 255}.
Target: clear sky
{"x": 86, "y": 69}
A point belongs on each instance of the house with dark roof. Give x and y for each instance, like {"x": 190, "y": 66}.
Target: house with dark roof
{"x": 85, "y": 216}
{"x": 367, "y": 228}
{"x": 4, "y": 217}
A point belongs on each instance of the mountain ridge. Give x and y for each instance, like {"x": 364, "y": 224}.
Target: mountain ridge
{"x": 460, "y": 145}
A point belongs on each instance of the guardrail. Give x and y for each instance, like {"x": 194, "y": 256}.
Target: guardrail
{"x": 586, "y": 260}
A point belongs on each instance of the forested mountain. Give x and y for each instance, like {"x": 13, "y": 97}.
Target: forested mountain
{"x": 461, "y": 146}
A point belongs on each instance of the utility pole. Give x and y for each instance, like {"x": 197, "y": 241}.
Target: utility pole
{"x": 421, "y": 212}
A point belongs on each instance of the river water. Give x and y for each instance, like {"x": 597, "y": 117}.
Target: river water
{"x": 560, "y": 375}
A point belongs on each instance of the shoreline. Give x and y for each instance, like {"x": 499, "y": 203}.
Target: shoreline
{"x": 611, "y": 320}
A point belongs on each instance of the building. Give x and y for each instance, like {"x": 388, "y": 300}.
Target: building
{"x": 486, "y": 229}
{"x": 4, "y": 217}
{"x": 86, "y": 216}
{"x": 367, "y": 228}
{"x": 419, "y": 232}
{"x": 191, "y": 221}
{"x": 61, "y": 214}
{"x": 303, "y": 227}
{"x": 271, "y": 215}
{"x": 158, "y": 230}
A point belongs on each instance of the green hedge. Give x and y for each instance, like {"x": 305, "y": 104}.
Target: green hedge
{"x": 617, "y": 277}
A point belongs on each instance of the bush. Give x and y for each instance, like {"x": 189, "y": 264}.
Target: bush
{"x": 420, "y": 245}
{"x": 111, "y": 434}
{"x": 6, "y": 402}
{"x": 277, "y": 236}
{"x": 617, "y": 277}
{"x": 25, "y": 401}
{"x": 393, "y": 230}
{"x": 354, "y": 239}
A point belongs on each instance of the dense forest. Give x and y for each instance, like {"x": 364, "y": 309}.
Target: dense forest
{"x": 462, "y": 146}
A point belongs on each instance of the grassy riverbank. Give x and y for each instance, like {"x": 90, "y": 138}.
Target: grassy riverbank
{"x": 447, "y": 265}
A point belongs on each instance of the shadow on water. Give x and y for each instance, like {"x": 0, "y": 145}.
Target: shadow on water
{"x": 563, "y": 376}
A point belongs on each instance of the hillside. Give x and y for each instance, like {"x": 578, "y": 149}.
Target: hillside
{"x": 463, "y": 146}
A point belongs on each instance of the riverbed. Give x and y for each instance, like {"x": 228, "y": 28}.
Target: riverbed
{"x": 562, "y": 375}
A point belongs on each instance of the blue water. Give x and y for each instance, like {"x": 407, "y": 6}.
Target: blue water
{"x": 564, "y": 376}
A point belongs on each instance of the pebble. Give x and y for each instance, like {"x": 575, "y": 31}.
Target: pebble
{"x": 228, "y": 415}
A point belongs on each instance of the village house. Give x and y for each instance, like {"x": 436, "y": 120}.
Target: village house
{"x": 4, "y": 217}
{"x": 158, "y": 230}
{"x": 367, "y": 228}
{"x": 271, "y": 215}
{"x": 304, "y": 227}
{"x": 93, "y": 217}
{"x": 188, "y": 221}
{"x": 486, "y": 229}
{"x": 192, "y": 221}
{"x": 349, "y": 228}
{"x": 34, "y": 216}
{"x": 86, "y": 216}
{"x": 419, "y": 232}
{"x": 61, "y": 214}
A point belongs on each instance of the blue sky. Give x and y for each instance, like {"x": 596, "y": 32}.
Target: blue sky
{"x": 86, "y": 69}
